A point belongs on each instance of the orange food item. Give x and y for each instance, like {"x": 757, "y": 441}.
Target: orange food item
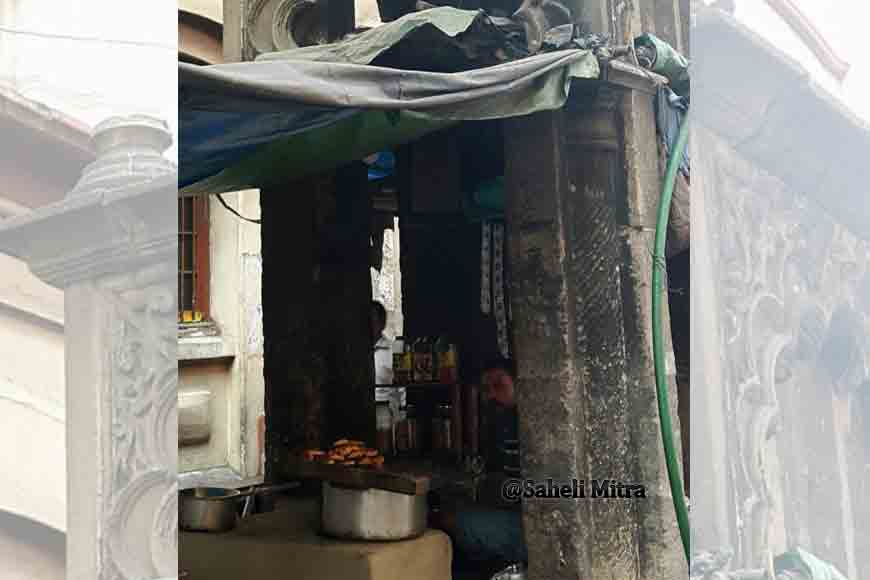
{"x": 314, "y": 454}
{"x": 349, "y": 452}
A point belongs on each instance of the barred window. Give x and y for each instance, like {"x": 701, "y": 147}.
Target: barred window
{"x": 193, "y": 259}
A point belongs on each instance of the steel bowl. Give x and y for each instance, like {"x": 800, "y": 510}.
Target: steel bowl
{"x": 209, "y": 509}
{"x": 216, "y": 509}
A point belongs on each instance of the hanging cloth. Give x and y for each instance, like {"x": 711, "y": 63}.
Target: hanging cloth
{"x": 485, "y": 282}
{"x": 498, "y": 288}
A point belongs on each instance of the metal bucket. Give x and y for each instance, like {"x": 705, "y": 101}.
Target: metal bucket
{"x": 371, "y": 514}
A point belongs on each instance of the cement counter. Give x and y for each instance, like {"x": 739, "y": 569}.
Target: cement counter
{"x": 284, "y": 544}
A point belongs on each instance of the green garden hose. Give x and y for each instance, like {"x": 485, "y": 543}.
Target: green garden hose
{"x": 673, "y": 464}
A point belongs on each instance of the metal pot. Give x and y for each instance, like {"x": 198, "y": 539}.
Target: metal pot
{"x": 512, "y": 572}
{"x": 208, "y": 509}
{"x": 216, "y": 509}
{"x": 371, "y": 514}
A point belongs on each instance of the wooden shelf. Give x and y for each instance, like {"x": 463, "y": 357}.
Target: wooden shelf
{"x": 389, "y": 478}
{"x": 419, "y": 386}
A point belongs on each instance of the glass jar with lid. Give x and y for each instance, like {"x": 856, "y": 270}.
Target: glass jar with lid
{"x": 442, "y": 429}
{"x": 384, "y": 424}
{"x": 407, "y": 433}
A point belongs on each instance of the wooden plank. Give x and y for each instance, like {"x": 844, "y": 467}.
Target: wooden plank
{"x": 363, "y": 478}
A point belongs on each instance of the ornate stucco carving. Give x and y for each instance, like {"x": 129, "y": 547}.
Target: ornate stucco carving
{"x": 144, "y": 380}
{"x": 788, "y": 280}
{"x": 274, "y": 25}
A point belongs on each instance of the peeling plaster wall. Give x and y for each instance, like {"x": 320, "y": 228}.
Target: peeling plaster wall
{"x": 235, "y": 380}
{"x": 32, "y": 396}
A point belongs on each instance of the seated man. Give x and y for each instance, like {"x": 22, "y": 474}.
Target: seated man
{"x": 492, "y": 531}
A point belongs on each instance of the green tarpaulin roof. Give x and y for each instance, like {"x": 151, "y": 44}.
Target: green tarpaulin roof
{"x": 299, "y": 112}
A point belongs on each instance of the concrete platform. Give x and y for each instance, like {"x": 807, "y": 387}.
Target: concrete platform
{"x": 284, "y": 544}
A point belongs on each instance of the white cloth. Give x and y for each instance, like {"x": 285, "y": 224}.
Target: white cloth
{"x": 384, "y": 376}
{"x": 383, "y": 361}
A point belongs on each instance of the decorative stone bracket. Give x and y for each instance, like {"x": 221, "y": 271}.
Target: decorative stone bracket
{"x": 274, "y": 25}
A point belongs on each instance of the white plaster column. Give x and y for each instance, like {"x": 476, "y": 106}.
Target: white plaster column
{"x": 111, "y": 245}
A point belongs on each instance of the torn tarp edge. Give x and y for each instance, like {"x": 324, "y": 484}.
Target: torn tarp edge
{"x": 212, "y": 162}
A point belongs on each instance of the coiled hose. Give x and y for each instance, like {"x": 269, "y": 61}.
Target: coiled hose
{"x": 667, "y": 430}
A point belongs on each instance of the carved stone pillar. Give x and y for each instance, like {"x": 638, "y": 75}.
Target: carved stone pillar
{"x": 112, "y": 246}
{"x": 582, "y": 186}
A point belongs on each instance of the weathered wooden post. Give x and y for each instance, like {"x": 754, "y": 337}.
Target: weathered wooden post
{"x": 111, "y": 245}
{"x": 583, "y": 184}
{"x": 319, "y": 368}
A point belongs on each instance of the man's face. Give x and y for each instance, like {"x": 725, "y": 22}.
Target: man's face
{"x": 499, "y": 387}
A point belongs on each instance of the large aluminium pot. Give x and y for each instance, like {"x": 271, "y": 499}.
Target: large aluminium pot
{"x": 371, "y": 514}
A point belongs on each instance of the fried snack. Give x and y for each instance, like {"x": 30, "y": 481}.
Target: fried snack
{"x": 314, "y": 454}
{"x": 349, "y": 452}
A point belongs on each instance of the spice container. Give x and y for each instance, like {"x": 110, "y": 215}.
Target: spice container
{"x": 403, "y": 362}
{"x": 442, "y": 429}
{"x": 422, "y": 359}
{"x": 447, "y": 366}
{"x": 407, "y": 433}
